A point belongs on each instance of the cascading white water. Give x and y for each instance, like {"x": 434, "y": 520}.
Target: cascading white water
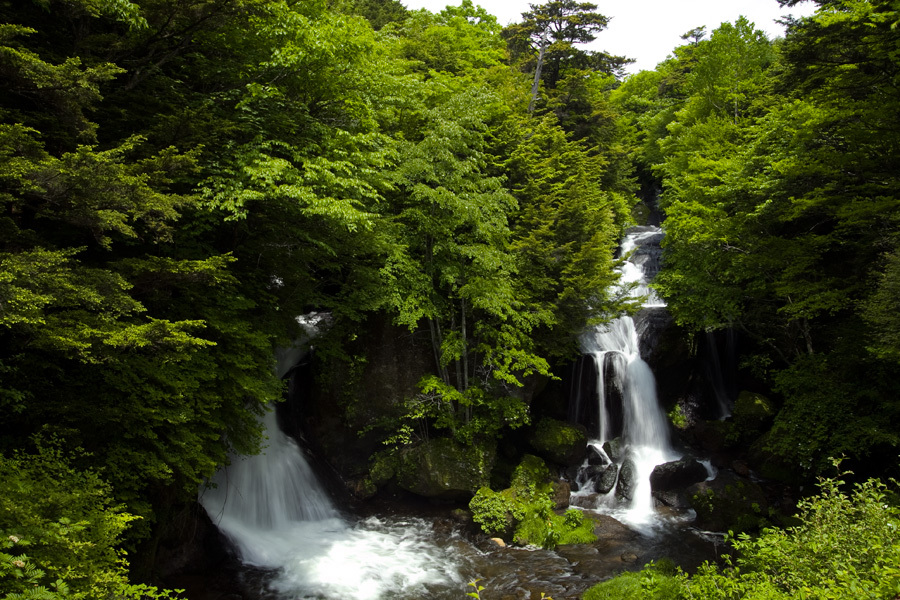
{"x": 616, "y": 351}
{"x": 278, "y": 516}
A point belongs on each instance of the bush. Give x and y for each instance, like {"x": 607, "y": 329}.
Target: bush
{"x": 59, "y": 531}
{"x": 658, "y": 581}
{"x": 496, "y": 512}
{"x": 847, "y": 546}
{"x": 527, "y": 509}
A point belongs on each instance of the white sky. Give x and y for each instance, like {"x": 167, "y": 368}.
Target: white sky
{"x": 648, "y": 30}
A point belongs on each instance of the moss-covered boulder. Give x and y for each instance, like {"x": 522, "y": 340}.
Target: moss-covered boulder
{"x": 559, "y": 442}
{"x": 443, "y": 468}
{"x": 729, "y": 503}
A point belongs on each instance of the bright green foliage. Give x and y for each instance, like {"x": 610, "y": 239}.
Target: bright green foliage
{"x": 460, "y": 40}
{"x": 59, "y": 528}
{"x": 526, "y": 510}
{"x": 728, "y": 76}
{"x": 847, "y": 546}
{"x": 779, "y": 188}
{"x": 566, "y": 231}
{"x": 495, "y": 512}
{"x": 655, "y": 582}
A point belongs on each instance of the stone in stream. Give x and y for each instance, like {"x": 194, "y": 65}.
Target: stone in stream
{"x": 595, "y": 457}
{"x": 627, "y": 480}
{"x": 677, "y": 474}
{"x": 607, "y": 481}
{"x": 613, "y": 449}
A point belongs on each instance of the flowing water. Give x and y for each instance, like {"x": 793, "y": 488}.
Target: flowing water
{"x": 279, "y": 519}
{"x": 293, "y": 544}
{"x": 644, "y": 435}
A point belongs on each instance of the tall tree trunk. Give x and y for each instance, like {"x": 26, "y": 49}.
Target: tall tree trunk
{"x": 537, "y": 73}
{"x": 465, "y": 347}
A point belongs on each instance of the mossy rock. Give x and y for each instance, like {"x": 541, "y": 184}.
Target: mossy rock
{"x": 497, "y": 513}
{"x": 383, "y": 468}
{"x": 560, "y": 442}
{"x": 729, "y": 503}
{"x": 525, "y": 512}
{"x": 752, "y": 410}
{"x": 443, "y": 468}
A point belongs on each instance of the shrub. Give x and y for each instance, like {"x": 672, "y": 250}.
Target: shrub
{"x": 527, "y": 509}
{"x": 658, "y": 581}
{"x": 847, "y": 546}
{"x": 59, "y": 531}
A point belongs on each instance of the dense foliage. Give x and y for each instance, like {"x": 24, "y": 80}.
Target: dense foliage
{"x": 777, "y": 162}
{"x": 180, "y": 179}
{"x": 847, "y": 545}
{"x": 524, "y": 512}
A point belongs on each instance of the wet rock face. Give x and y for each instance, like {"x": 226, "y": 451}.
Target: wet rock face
{"x": 677, "y": 474}
{"x": 595, "y": 457}
{"x": 602, "y": 478}
{"x": 613, "y": 449}
{"x": 608, "y": 480}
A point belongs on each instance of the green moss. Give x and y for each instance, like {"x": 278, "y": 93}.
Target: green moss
{"x": 656, "y": 582}
{"x": 559, "y": 441}
{"x": 527, "y": 508}
{"x": 677, "y": 417}
{"x": 384, "y": 466}
{"x": 750, "y": 405}
{"x": 531, "y": 476}
{"x": 752, "y": 413}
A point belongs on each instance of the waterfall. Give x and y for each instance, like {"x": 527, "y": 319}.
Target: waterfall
{"x": 279, "y": 518}
{"x": 615, "y": 348}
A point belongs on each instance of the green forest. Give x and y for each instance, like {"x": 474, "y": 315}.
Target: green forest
{"x": 181, "y": 179}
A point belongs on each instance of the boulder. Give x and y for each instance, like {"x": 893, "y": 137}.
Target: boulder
{"x": 561, "y": 493}
{"x": 559, "y": 442}
{"x": 605, "y": 480}
{"x": 677, "y": 474}
{"x": 674, "y": 499}
{"x": 728, "y": 503}
{"x": 627, "y": 480}
{"x": 752, "y": 410}
{"x": 596, "y": 457}
{"x": 442, "y": 468}
{"x": 614, "y": 449}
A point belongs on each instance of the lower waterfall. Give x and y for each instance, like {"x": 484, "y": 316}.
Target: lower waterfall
{"x": 279, "y": 518}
